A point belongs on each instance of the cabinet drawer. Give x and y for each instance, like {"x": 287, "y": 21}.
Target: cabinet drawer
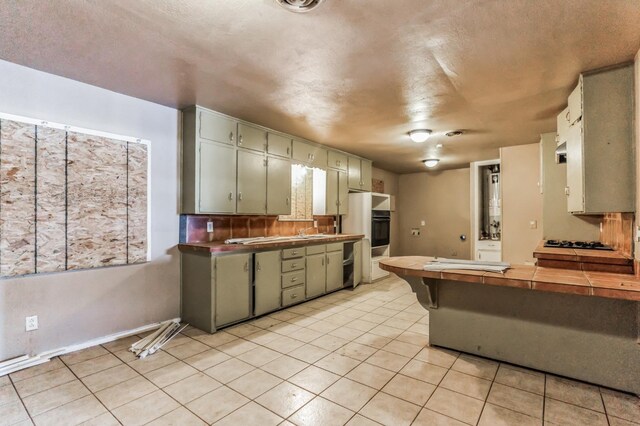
{"x": 334, "y": 247}
{"x": 337, "y": 161}
{"x": 292, "y": 278}
{"x": 315, "y": 249}
{"x": 292, "y": 295}
{"x": 292, "y": 252}
{"x": 279, "y": 145}
{"x": 292, "y": 265}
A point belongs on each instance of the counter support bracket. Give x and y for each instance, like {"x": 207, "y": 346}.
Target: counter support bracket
{"x": 432, "y": 291}
{"x": 426, "y": 290}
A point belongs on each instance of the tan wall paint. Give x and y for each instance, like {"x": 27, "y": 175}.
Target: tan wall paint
{"x": 521, "y": 202}
{"x": 390, "y": 187}
{"x": 441, "y": 199}
{"x": 637, "y": 107}
{"x": 75, "y": 307}
{"x": 557, "y": 222}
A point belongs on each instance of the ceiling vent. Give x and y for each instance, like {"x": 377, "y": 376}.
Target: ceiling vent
{"x": 299, "y": 6}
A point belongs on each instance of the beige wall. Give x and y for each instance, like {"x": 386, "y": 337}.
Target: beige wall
{"x": 521, "y": 202}
{"x": 390, "y": 180}
{"x": 441, "y": 199}
{"x": 557, "y": 222}
{"x": 75, "y": 307}
{"x": 637, "y": 107}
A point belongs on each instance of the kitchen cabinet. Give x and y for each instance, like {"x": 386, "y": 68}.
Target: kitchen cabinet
{"x": 250, "y": 137}
{"x": 600, "y": 143}
{"x": 216, "y": 183}
{"x": 343, "y": 193}
{"x": 232, "y": 288}
{"x": 334, "y": 270}
{"x": 267, "y": 282}
{"x": 359, "y": 174}
{"x": 278, "y": 145}
{"x": 337, "y": 160}
{"x": 562, "y": 122}
{"x": 316, "y": 275}
{"x": 252, "y": 183}
{"x": 278, "y": 186}
{"x": 216, "y": 128}
{"x": 357, "y": 263}
{"x": 309, "y": 155}
{"x": 330, "y": 192}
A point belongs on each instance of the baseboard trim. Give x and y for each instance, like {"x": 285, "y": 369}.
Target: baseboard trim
{"x": 34, "y": 360}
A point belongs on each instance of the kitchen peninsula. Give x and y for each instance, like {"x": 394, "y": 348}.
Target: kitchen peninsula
{"x": 579, "y": 324}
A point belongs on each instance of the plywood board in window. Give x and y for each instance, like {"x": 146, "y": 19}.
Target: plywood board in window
{"x": 17, "y": 198}
{"x": 137, "y": 203}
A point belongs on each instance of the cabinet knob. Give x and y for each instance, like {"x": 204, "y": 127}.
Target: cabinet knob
{"x": 239, "y": 196}
{"x": 240, "y": 140}
{"x": 231, "y": 196}
{"x": 567, "y": 191}
{"x": 288, "y": 150}
{"x": 286, "y": 201}
{"x": 258, "y": 267}
{"x": 230, "y": 136}
{"x": 293, "y": 265}
{"x": 293, "y": 253}
{"x": 246, "y": 266}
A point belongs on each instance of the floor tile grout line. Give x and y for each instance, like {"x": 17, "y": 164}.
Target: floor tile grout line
{"x": 24, "y": 407}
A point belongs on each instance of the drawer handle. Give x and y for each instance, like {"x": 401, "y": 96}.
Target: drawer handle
{"x": 293, "y": 265}
{"x": 294, "y": 279}
{"x": 294, "y": 296}
{"x": 293, "y": 253}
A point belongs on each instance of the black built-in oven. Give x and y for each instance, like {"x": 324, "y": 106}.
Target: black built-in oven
{"x": 380, "y": 227}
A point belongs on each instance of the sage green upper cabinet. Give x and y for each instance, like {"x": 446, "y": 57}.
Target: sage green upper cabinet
{"x": 250, "y": 137}
{"x": 215, "y": 127}
{"x": 267, "y": 282}
{"x": 334, "y": 270}
{"x": 316, "y": 275}
{"x": 216, "y": 183}
{"x": 600, "y": 143}
{"x": 562, "y": 122}
{"x": 310, "y": 155}
{"x": 337, "y": 160}
{"x": 278, "y": 145}
{"x": 232, "y": 288}
{"x": 343, "y": 193}
{"x": 359, "y": 174}
{"x": 252, "y": 183}
{"x": 278, "y": 186}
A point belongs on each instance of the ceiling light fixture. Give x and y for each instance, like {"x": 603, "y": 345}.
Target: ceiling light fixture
{"x": 454, "y": 133}
{"x": 431, "y": 162}
{"x": 419, "y": 135}
{"x": 299, "y": 6}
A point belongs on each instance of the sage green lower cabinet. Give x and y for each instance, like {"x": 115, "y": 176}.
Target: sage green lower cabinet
{"x": 334, "y": 271}
{"x": 357, "y": 263}
{"x": 267, "y": 282}
{"x": 232, "y": 288}
{"x": 252, "y": 181}
{"x": 316, "y": 275}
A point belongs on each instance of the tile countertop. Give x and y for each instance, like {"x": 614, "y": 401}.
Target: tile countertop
{"x": 581, "y": 255}
{"x": 555, "y": 280}
{"x": 221, "y": 247}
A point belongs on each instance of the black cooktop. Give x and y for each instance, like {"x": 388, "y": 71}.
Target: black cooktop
{"x": 586, "y": 245}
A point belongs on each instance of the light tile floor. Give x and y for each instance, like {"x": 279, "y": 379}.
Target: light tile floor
{"x": 353, "y": 357}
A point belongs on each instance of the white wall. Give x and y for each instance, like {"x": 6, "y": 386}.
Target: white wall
{"x": 74, "y": 307}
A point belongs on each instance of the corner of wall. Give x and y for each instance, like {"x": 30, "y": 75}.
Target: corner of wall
{"x": 637, "y": 153}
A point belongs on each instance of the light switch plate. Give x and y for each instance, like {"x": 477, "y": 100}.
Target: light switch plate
{"x": 209, "y": 226}
{"x": 423, "y": 223}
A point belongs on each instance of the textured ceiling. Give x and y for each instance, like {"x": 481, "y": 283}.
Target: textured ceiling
{"x": 354, "y": 74}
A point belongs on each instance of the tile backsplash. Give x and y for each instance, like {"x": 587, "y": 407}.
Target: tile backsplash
{"x": 193, "y": 228}
{"x": 617, "y": 232}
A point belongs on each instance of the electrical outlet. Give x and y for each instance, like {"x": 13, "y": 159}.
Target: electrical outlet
{"x": 209, "y": 226}
{"x": 415, "y": 232}
{"x": 31, "y": 323}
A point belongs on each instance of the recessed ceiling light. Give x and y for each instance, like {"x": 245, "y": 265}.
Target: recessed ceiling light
{"x": 299, "y": 6}
{"x": 438, "y": 145}
{"x": 419, "y": 135}
{"x": 454, "y": 133}
{"x": 431, "y": 162}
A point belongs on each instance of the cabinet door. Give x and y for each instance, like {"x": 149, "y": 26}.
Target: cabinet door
{"x": 279, "y": 145}
{"x": 252, "y": 183}
{"x": 365, "y": 175}
{"x": 250, "y": 137}
{"x": 354, "y": 173}
{"x": 319, "y": 157}
{"x": 575, "y": 103}
{"x": 331, "y": 193}
{"x": 216, "y": 128}
{"x": 562, "y": 123}
{"x": 334, "y": 270}
{"x": 343, "y": 193}
{"x": 217, "y": 178}
{"x": 337, "y": 160}
{"x": 278, "y": 186}
{"x": 357, "y": 263}
{"x": 489, "y": 255}
{"x": 316, "y": 275}
{"x": 575, "y": 169}
{"x": 267, "y": 282}
{"x": 302, "y": 152}
{"x": 232, "y": 288}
